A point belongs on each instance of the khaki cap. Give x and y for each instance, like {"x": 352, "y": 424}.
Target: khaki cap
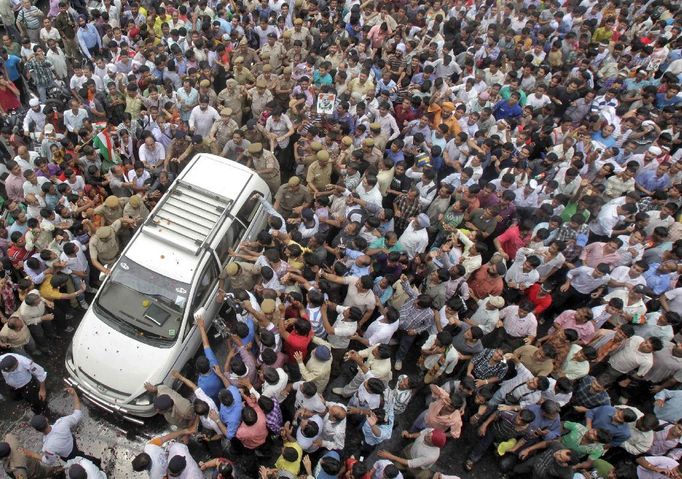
{"x": 368, "y": 142}
{"x": 323, "y": 155}
{"x": 239, "y": 60}
{"x": 375, "y": 126}
{"x": 112, "y": 202}
{"x": 316, "y": 146}
{"x": 226, "y": 111}
{"x": 232, "y": 269}
{"x": 267, "y": 68}
{"x": 261, "y": 83}
{"x": 347, "y": 140}
{"x": 268, "y": 306}
{"x": 255, "y": 148}
{"x": 298, "y": 21}
{"x": 104, "y": 232}
{"x": 294, "y": 181}
{"x": 205, "y": 83}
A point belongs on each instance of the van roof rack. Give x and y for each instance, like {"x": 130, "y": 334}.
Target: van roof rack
{"x": 188, "y": 217}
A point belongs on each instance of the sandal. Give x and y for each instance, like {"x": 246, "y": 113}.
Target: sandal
{"x": 468, "y": 465}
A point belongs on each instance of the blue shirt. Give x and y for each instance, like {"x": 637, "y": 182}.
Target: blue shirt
{"x": 396, "y": 157}
{"x": 12, "y": 66}
{"x": 503, "y": 110}
{"x": 210, "y": 382}
{"x": 88, "y": 38}
{"x": 662, "y": 101}
{"x": 602, "y": 418}
{"x": 385, "y": 431}
{"x": 659, "y": 283}
{"x": 232, "y": 416}
{"x": 553, "y": 426}
{"x": 648, "y": 180}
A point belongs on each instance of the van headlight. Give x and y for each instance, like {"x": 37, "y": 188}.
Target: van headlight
{"x": 145, "y": 399}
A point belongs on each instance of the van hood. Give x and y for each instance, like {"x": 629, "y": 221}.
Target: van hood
{"x": 116, "y": 361}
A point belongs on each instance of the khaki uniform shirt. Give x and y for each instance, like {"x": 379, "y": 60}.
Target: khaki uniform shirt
{"x": 20, "y": 466}
{"x": 303, "y": 35}
{"x": 277, "y": 54}
{"x": 289, "y": 199}
{"x": 222, "y": 131}
{"x": 318, "y": 175}
{"x": 182, "y": 413}
{"x": 234, "y": 101}
{"x": 259, "y": 100}
{"x": 246, "y": 278}
{"x": 267, "y": 160}
{"x": 244, "y": 76}
{"x": 105, "y": 251}
{"x": 111, "y": 215}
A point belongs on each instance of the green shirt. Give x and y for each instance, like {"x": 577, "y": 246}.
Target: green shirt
{"x": 380, "y": 243}
{"x": 570, "y": 210}
{"x": 576, "y": 431}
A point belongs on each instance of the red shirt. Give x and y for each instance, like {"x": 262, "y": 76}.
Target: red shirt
{"x": 511, "y": 241}
{"x": 541, "y": 303}
{"x": 484, "y": 285}
{"x": 8, "y": 100}
{"x": 295, "y": 342}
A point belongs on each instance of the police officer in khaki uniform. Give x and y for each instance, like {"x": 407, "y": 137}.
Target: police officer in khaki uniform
{"x": 205, "y": 89}
{"x": 111, "y": 209}
{"x": 307, "y": 158}
{"x": 104, "y": 246}
{"x": 19, "y": 465}
{"x": 291, "y": 198}
{"x": 260, "y": 96}
{"x": 232, "y": 99}
{"x": 301, "y": 33}
{"x": 320, "y": 172}
{"x": 285, "y": 85}
{"x": 372, "y": 155}
{"x": 275, "y": 51}
{"x": 239, "y": 275}
{"x": 240, "y": 73}
{"x": 248, "y": 54}
{"x": 222, "y": 130}
{"x": 379, "y": 138}
{"x": 270, "y": 79}
{"x": 177, "y": 410}
{"x": 265, "y": 164}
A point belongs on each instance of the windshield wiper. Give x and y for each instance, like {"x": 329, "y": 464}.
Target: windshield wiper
{"x": 163, "y": 300}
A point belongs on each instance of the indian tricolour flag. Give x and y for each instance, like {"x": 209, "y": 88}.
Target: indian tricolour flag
{"x": 104, "y": 145}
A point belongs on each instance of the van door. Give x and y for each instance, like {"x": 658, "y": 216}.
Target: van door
{"x": 204, "y": 296}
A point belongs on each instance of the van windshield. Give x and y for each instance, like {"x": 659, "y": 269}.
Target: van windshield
{"x": 151, "y": 303}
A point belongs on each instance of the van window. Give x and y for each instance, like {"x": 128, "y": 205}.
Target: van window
{"x": 207, "y": 280}
{"x": 248, "y": 210}
{"x": 230, "y": 240}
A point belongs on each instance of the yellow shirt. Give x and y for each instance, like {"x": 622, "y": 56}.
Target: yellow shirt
{"x": 47, "y": 291}
{"x": 293, "y": 467}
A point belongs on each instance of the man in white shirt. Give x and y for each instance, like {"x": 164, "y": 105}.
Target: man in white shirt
{"x": 609, "y": 216}
{"x": 202, "y": 117}
{"x": 415, "y": 238}
{"x": 82, "y": 468}
{"x": 74, "y": 117}
{"x": 423, "y": 453}
{"x": 25, "y": 379}
{"x": 181, "y": 464}
{"x": 635, "y": 354}
{"x": 58, "y": 439}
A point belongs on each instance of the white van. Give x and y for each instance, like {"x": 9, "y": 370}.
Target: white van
{"x": 139, "y": 327}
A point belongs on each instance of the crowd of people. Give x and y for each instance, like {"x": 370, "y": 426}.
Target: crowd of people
{"x": 472, "y": 249}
